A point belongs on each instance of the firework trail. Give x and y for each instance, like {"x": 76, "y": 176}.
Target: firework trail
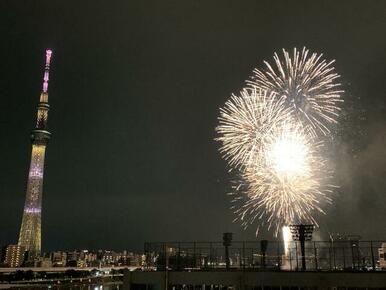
{"x": 307, "y": 83}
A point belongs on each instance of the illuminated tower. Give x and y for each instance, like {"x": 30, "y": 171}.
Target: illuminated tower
{"x": 30, "y": 231}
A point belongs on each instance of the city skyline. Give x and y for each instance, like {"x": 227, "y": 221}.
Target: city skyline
{"x": 136, "y": 96}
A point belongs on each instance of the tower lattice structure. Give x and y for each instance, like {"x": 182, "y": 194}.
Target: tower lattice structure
{"x": 30, "y": 231}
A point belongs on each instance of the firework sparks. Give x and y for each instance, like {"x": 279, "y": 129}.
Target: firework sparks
{"x": 307, "y": 83}
{"x": 270, "y": 133}
{"x": 245, "y": 122}
{"x": 287, "y": 183}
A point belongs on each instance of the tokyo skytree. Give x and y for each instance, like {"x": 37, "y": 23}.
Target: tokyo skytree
{"x": 30, "y": 231}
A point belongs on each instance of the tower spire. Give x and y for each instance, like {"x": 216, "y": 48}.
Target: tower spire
{"x": 43, "y": 107}
{"x": 30, "y": 231}
{"x": 47, "y": 70}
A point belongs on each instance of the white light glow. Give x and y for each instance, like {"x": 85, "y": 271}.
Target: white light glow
{"x": 289, "y": 156}
{"x": 287, "y": 238}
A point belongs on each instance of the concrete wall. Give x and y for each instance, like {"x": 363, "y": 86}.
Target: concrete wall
{"x": 240, "y": 279}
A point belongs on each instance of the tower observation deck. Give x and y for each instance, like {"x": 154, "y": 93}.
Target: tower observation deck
{"x": 30, "y": 231}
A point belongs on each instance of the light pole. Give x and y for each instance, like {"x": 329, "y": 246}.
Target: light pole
{"x": 302, "y": 233}
{"x": 227, "y": 241}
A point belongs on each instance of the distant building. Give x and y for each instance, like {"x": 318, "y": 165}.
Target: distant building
{"x": 382, "y": 256}
{"x": 2, "y": 255}
{"x": 135, "y": 260}
{"x": 90, "y": 257}
{"x": 81, "y": 264}
{"x": 72, "y": 256}
{"x": 59, "y": 259}
{"x": 108, "y": 257}
{"x": 14, "y": 256}
{"x": 43, "y": 262}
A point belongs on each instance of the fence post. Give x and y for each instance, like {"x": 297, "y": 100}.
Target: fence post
{"x": 253, "y": 259}
{"x": 316, "y": 257}
{"x": 210, "y": 255}
{"x": 372, "y": 255}
{"x": 243, "y": 256}
{"x": 179, "y": 256}
{"x": 352, "y": 256}
{"x": 333, "y": 255}
{"x": 263, "y": 249}
{"x": 194, "y": 255}
{"x": 329, "y": 255}
{"x": 297, "y": 261}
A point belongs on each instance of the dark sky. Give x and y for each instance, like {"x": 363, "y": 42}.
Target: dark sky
{"x": 135, "y": 90}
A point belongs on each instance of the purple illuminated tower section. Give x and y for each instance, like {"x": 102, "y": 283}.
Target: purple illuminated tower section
{"x": 30, "y": 231}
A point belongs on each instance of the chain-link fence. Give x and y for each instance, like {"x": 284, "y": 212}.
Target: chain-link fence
{"x": 268, "y": 255}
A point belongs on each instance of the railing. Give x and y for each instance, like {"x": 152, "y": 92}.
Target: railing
{"x": 319, "y": 256}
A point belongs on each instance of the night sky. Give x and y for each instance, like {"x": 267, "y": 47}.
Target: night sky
{"x": 135, "y": 91}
